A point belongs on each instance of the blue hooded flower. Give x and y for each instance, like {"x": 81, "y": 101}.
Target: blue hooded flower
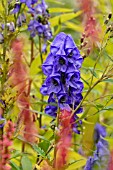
{"x": 53, "y": 84}
{"x": 89, "y": 164}
{"x": 28, "y": 2}
{"x": 51, "y": 109}
{"x": 60, "y": 63}
{"x": 63, "y": 101}
{"x": 63, "y": 74}
{"x": 16, "y": 8}
{"x": 32, "y": 27}
{"x": 100, "y": 158}
{"x": 100, "y": 131}
{"x": 2, "y": 122}
{"x": 1, "y": 38}
{"x": 39, "y": 25}
{"x": 48, "y": 65}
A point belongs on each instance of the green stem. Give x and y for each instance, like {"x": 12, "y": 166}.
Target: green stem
{"x": 42, "y": 97}
{"x": 5, "y": 6}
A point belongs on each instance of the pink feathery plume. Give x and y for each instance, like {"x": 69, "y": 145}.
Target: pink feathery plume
{"x": 19, "y": 71}
{"x": 5, "y": 146}
{"x": 92, "y": 29}
{"x": 64, "y": 140}
{"x": 111, "y": 161}
{"x": 19, "y": 78}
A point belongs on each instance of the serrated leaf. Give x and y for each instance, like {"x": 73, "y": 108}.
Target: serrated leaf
{"x": 39, "y": 150}
{"x": 26, "y": 163}
{"x": 64, "y": 17}
{"x": 13, "y": 165}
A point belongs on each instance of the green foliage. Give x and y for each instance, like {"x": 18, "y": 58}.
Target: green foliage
{"x": 26, "y": 163}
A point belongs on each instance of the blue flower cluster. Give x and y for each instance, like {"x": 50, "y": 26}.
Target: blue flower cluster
{"x": 63, "y": 84}
{"x": 10, "y": 28}
{"x": 39, "y": 24}
{"x": 100, "y": 158}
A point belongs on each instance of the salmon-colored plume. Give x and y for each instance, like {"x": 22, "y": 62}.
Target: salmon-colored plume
{"x": 5, "y": 145}
{"x": 111, "y": 161}
{"x": 18, "y": 73}
{"x": 19, "y": 79}
{"x": 64, "y": 140}
{"x": 92, "y": 29}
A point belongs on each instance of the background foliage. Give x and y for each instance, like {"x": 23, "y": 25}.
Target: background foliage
{"x": 96, "y": 74}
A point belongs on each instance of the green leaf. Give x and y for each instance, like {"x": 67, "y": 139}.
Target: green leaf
{"x": 108, "y": 80}
{"x": 54, "y": 10}
{"x": 84, "y": 81}
{"x": 41, "y": 113}
{"x": 16, "y": 154}
{"x": 77, "y": 161}
{"x": 55, "y": 1}
{"x": 44, "y": 145}
{"x": 74, "y": 26}
{"x": 99, "y": 106}
{"x": 85, "y": 113}
{"x": 77, "y": 164}
{"x": 14, "y": 166}
{"x": 39, "y": 150}
{"x": 64, "y": 17}
{"x": 93, "y": 72}
{"x": 2, "y": 120}
{"x": 26, "y": 163}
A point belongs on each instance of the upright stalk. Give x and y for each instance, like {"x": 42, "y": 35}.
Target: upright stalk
{"x": 42, "y": 97}
{"x": 5, "y": 6}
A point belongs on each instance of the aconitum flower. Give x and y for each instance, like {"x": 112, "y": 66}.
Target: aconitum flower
{"x": 16, "y": 8}
{"x": 2, "y": 122}
{"x": 39, "y": 25}
{"x": 100, "y": 158}
{"x": 100, "y": 131}
{"x": 21, "y": 19}
{"x": 1, "y": 38}
{"x": 28, "y": 2}
{"x": 10, "y": 26}
{"x": 18, "y": 5}
{"x": 63, "y": 76}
